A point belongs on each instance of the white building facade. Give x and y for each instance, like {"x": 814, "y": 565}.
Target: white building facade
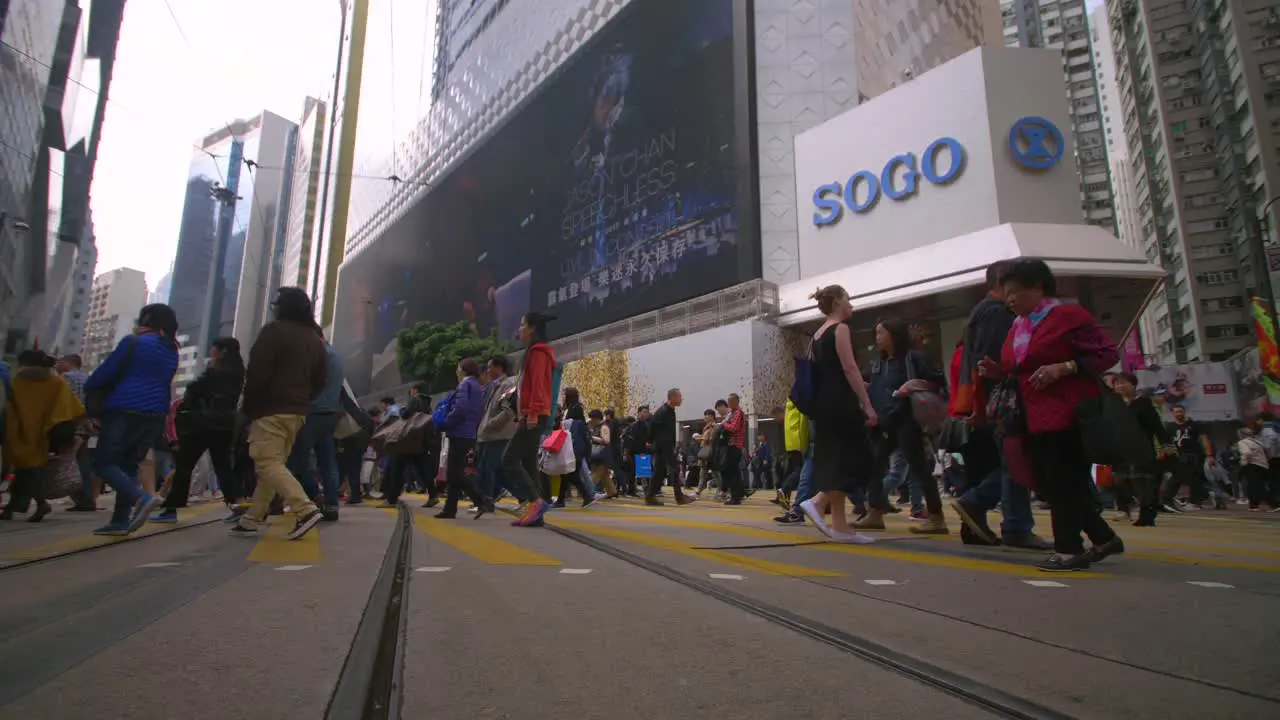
{"x": 114, "y": 303}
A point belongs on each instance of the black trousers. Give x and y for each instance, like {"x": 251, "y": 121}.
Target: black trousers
{"x": 424, "y": 465}
{"x": 1064, "y": 479}
{"x": 28, "y": 484}
{"x": 520, "y": 462}
{"x": 730, "y": 473}
{"x": 192, "y": 445}
{"x": 455, "y": 476}
{"x": 909, "y": 438}
{"x": 665, "y": 463}
{"x": 350, "y": 462}
{"x": 795, "y": 461}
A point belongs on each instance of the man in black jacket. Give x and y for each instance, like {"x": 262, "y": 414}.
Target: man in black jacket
{"x": 990, "y": 485}
{"x": 662, "y": 429}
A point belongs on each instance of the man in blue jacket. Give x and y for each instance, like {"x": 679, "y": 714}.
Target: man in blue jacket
{"x": 315, "y": 444}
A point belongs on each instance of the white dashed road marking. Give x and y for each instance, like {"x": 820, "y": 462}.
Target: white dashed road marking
{"x": 158, "y": 565}
{"x": 1200, "y": 583}
{"x": 1044, "y": 583}
{"x": 721, "y": 576}
{"x": 880, "y": 582}
{"x": 292, "y": 568}
{"x": 575, "y": 571}
{"x": 433, "y": 569}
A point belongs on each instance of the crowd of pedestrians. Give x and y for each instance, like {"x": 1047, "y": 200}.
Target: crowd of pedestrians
{"x": 282, "y": 431}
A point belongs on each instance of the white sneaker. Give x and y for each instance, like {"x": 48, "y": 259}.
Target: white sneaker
{"x": 852, "y": 538}
{"x": 810, "y": 509}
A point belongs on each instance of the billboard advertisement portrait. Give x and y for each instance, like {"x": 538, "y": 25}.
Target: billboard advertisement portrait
{"x": 1206, "y": 390}
{"x": 614, "y": 191}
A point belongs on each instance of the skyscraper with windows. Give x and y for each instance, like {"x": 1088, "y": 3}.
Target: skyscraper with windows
{"x": 302, "y": 185}
{"x": 1061, "y": 24}
{"x": 221, "y": 271}
{"x": 1199, "y": 86}
{"x": 56, "y": 63}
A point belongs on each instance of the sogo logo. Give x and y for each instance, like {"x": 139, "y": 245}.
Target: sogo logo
{"x": 830, "y": 200}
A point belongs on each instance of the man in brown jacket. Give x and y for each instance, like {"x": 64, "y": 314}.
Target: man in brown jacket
{"x": 287, "y": 370}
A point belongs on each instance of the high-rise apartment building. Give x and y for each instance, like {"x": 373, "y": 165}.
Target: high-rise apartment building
{"x": 1199, "y": 86}
{"x": 222, "y": 268}
{"x": 114, "y": 303}
{"x": 56, "y": 63}
{"x": 1061, "y": 24}
{"x": 892, "y": 45}
{"x": 302, "y": 185}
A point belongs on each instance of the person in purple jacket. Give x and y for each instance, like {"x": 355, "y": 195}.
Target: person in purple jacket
{"x": 466, "y": 407}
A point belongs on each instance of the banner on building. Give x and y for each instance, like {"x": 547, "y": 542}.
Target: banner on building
{"x": 1206, "y": 390}
{"x": 1131, "y": 357}
{"x": 1268, "y": 356}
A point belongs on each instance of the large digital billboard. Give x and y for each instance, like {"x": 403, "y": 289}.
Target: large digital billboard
{"x": 614, "y": 191}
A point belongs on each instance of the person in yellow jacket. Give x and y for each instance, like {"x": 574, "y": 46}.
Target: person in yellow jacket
{"x": 40, "y": 413}
{"x": 796, "y": 435}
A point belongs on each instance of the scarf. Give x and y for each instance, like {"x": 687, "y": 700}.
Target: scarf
{"x": 1024, "y": 326}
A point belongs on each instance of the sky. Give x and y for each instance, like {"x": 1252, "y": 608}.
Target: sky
{"x": 239, "y": 57}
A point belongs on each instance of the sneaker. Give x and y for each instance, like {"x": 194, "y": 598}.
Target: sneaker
{"x": 113, "y": 530}
{"x": 236, "y": 512}
{"x": 975, "y": 521}
{"x": 851, "y": 538}
{"x": 142, "y": 511}
{"x": 794, "y": 517}
{"x": 1172, "y": 508}
{"x": 243, "y": 529}
{"x": 304, "y": 523}
{"x": 810, "y": 509}
{"x": 932, "y": 525}
{"x": 167, "y": 517}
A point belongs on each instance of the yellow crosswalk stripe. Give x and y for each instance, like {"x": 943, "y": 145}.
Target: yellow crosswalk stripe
{"x": 882, "y": 551}
{"x": 274, "y": 547}
{"x": 88, "y": 540}
{"x": 764, "y": 567}
{"x": 481, "y": 545}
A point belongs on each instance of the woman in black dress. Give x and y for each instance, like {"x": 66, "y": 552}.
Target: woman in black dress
{"x": 842, "y": 457}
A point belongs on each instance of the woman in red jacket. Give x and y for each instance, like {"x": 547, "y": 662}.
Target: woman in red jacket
{"x": 1053, "y": 358}
{"x": 533, "y": 407}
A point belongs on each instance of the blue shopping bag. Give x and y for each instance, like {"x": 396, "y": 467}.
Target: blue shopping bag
{"x": 644, "y": 466}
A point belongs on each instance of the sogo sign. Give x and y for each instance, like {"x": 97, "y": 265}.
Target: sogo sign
{"x": 831, "y": 200}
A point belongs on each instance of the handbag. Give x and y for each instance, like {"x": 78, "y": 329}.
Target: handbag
{"x": 556, "y": 457}
{"x": 95, "y": 399}
{"x": 804, "y": 388}
{"x": 1110, "y": 433}
{"x": 62, "y": 476}
{"x": 441, "y": 413}
{"x": 928, "y": 408}
{"x": 954, "y": 435}
{"x": 644, "y": 466}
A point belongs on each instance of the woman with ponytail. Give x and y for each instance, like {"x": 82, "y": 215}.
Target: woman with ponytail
{"x": 129, "y": 395}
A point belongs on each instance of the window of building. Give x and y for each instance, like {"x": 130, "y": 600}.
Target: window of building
{"x": 1234, "y": 302}
{"x": 1219, "y": 277}
{"x": 1226, "y": 331}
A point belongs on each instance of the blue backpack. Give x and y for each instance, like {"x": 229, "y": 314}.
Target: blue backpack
{"x": 804, "y": 388}
{"x": 441, "y": 412}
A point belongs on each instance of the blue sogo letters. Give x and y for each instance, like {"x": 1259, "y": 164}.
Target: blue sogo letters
{"x": 830, "y": 200}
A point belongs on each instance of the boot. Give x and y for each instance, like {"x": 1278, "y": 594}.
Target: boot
{"x": 935, "y": 524}
{"x": 873, "y": 520}
{"x": 1146, "y": 516}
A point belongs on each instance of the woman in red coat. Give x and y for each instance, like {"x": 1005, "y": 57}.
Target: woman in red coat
{"x": 1054, "y": 358}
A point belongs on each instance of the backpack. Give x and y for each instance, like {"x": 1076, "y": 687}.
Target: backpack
{"x": 804, "y": 388}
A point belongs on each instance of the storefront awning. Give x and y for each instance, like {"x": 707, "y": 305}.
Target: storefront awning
{"x": 1088, "y": 260}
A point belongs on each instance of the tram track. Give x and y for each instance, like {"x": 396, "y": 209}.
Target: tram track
{"x": 108, "y": 542}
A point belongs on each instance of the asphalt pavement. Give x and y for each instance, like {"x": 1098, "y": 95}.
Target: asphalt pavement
{"x": 628, "y": 611}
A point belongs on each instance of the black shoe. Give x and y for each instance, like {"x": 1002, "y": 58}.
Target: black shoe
{"x": 330, "y": 514}
{"x": 1064, "y": 563}
{"x": 733, "y": 501}
{"x": 975, "y": 521}
{"x": 83, "y": 508}
{"x": 1098, "y": 553}
{"x": 653, "y": 500}
{"x": 790, "y": 518}
{"x": 1028, "y": 541}
{"x": 431, "y": 502}
{"x": 444, "y": 515}
{"x": 968, "y": 537}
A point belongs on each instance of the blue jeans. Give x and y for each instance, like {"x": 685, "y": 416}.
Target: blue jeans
{"x": 1014, "y": 500}
{"x": 899, "y": 471}
{"x": 316, "y": 436}
{"x": 164, "y": 464}
{"x": 804, "y": 489}
{"x": 489, "y": 469}
{"x": 123, "y": 441}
